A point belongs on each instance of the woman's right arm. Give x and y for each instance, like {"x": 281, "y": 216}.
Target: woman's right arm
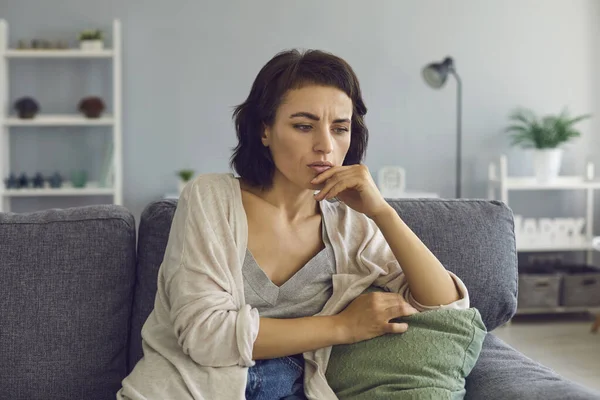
{"x": 366, "y": 317}
{"x": 196, "y": 279}
{"x": 284, "y": 337}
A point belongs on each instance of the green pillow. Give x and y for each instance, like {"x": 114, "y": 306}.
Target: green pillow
{"x": 429, "y": 361}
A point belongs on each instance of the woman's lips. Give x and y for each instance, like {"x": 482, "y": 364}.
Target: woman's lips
{"x": 319, "y": 168}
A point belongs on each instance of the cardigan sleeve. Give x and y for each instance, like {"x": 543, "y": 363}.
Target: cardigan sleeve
{"x": 208, "y": 322}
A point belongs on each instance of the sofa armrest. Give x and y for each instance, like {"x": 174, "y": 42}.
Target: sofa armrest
{"x": 503, "y": 373}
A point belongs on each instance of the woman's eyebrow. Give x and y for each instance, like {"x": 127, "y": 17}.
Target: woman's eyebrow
{"x": 305, "y": 115}
{"x": 316, "y": 118}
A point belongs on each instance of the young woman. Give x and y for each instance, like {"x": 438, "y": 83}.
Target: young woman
{"x": 264, "y": 272}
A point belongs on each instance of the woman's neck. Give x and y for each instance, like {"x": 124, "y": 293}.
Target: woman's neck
{"x": 296, "y": 204}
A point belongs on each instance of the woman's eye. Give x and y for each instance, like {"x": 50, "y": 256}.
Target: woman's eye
{"x": 303, "y": 127}
{"x": 341, "y": 130}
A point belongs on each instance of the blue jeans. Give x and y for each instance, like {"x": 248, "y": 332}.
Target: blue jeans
{"x": 276, "y": 379}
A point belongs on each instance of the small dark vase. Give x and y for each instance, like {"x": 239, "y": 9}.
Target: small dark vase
{"x": 38, "y": 181}
{"x": 55, "y": 180}
{"x": 23, "y": 181}
{"x": 27, "y": 107}
{"x": 91, "y": 107}
{"x": 11, "y": 182}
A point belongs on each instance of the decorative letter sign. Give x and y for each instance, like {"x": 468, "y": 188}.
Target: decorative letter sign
{"x": 549, "y": 233}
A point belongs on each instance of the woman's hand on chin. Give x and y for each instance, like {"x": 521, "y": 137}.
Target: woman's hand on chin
{"x": 353, "y": 185}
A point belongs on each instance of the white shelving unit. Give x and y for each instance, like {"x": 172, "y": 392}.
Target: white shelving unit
{"x": 9, "y": 123}
{"x": 500, "y": 181}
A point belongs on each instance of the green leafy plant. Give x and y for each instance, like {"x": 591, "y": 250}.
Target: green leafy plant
{"x": 91, "y": 35}
{"x": 185, "y": 174}
{"x": 548, "y": 132}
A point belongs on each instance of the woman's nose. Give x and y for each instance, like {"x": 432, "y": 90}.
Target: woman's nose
{"x": 323, "y": 141}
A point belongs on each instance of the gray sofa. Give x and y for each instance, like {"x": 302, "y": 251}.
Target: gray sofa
{"x": 77, "y": 288}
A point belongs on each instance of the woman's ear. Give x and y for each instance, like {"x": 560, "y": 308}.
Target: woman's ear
{"x": 266, "y": 135}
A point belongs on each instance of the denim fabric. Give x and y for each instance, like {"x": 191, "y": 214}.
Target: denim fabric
{"x": 276, "y": 379}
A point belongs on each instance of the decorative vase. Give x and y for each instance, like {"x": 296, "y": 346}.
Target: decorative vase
{"x": 23, "y": 181}
{"x": 55, "y": 180}
{"x": 79, "y": 178}
{"x": 91, "y": 107}
{"x": 12, "y": 182}
{"x": 38, "y": 181}
{"x": 547, "y": 164}
{"x": 27, "y": 107}
{"x": 91, "y": 45}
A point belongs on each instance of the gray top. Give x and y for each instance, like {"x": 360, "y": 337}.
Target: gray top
{"x": 303, "y": 295}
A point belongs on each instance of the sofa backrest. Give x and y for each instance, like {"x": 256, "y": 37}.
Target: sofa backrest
{"x": 472, "y": 238}
{"x": 65, "y": 302}
{"x": 153, "y": 234}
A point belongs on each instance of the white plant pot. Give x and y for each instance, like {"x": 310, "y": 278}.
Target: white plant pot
{"x": 547, "y": 164}
{"x": 91, "y": 45}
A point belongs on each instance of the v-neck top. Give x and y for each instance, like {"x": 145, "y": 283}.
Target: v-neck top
{"x": 302, "y": 295}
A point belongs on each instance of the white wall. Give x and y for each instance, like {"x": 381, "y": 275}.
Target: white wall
{"x": 187, "y": 63}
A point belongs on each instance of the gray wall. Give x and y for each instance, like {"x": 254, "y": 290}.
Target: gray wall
{"x": 187, "y": 63}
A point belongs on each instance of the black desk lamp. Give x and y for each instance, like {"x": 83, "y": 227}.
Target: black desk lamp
{"x": 435, "y": 74}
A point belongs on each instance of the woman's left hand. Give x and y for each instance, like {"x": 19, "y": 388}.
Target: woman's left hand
{"x": 353, "y": 185}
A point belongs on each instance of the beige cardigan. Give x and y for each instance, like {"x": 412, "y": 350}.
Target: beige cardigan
{"x": 198, "y": 340}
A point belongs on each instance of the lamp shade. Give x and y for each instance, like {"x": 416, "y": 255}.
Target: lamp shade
{"x": 435, "y": 74}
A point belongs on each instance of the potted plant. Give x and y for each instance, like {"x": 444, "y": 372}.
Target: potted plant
{"x": 545, "y": 136}
{"x": 91, "y": 107}
{"x": 185, "y": 175}
{"x": 91, "y": 40}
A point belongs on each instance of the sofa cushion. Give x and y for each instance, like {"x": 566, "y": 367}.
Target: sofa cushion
{"x": 155, "y": 225}
{"x": 429, "y": 361}
{"x": 65, "y": 302}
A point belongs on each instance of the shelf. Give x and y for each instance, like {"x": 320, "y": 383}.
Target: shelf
{"x": 557, "y": 310}
{"x": 92, "y": 189}
{"x": 60, "y": 120}
{"x": 563, "y": 182}
{"x": 66, "y": 53}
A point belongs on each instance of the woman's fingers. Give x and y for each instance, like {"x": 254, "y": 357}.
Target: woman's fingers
{"x": 323, "y": 192}
{"x": 400, "y": 309}
{"x": 339, "y": 181}
{"x": 394, "y": 327}
{"x": 336, "y": 189}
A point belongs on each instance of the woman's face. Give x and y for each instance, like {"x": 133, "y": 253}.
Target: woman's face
{"x": 311, "y": 132}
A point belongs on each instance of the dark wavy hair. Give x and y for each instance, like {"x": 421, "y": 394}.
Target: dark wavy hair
{"x": 289, "y": 70}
